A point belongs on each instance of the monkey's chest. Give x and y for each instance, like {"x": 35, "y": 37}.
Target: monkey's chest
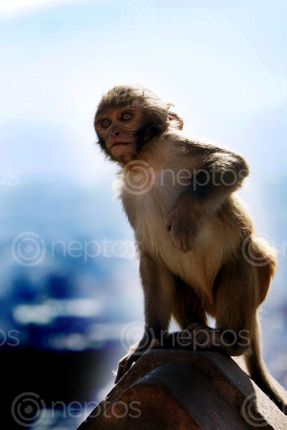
{"x": 197, "y": 267}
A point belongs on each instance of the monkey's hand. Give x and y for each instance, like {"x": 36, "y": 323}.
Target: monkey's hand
{"x": 134, "y": 354}
{"x": 183, "y": 225}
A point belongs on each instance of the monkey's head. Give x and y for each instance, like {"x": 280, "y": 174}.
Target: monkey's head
{"x": 128, "y": 117}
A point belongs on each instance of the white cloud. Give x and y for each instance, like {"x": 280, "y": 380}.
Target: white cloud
{"x": 10, "y": 8}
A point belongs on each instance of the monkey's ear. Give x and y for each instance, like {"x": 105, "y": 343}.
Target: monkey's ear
{"x": 148, "y": 132}
{"x": 176, "y": 121}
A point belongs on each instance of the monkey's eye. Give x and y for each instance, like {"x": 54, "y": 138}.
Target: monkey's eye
{"x": 105, "y": 123}
{"x": 126, "y": 116}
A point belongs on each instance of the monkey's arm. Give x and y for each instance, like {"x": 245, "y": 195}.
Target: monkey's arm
{"x": 219, "y": 173}
{"x": 158, "y": 287}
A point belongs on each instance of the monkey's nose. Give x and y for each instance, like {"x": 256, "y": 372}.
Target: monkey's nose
{"x": 115, "y": 133}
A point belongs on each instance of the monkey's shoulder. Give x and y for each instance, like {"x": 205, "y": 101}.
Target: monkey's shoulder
{"x": 183, "y": 144}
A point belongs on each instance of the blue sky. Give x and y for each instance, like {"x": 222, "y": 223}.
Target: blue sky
{"x": 221, "y": 63}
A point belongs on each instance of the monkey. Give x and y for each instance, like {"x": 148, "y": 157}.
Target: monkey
{"x": 199, "y": 254}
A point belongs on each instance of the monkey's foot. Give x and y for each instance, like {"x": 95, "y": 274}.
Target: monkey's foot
{"x": 195, "y": 336}
{"x": 132, "y": 356}
{"x": 201, "y": 337}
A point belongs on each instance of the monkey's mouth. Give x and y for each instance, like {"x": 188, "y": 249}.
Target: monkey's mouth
{"x": 119, "y": 143}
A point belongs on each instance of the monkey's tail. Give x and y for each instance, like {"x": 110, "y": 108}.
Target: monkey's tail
{"x": 260, "y": 374}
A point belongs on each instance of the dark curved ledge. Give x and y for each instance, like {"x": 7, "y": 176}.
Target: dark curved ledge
{"x": 180, "y": 390}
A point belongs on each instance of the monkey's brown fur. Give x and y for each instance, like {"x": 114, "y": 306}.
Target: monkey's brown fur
{"x": 199, "y": 254}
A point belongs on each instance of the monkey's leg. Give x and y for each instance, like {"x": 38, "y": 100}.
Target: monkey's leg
{"x": 187, "y": 308}
{"x": 188, "y": 311}
{"x": 236, "y": 301}
{"x": 158, "y": 286}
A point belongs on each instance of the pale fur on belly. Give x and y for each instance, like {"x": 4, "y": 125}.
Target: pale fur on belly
{"x": 197, "y": 268}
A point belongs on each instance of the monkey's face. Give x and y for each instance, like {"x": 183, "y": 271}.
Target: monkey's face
{"x": 117, "y": 129}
